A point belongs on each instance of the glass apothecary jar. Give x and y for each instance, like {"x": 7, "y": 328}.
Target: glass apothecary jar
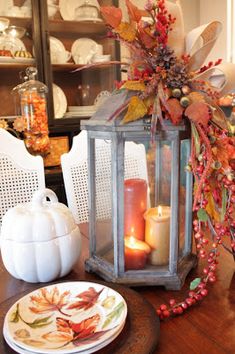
{"x": 31, "y": 111}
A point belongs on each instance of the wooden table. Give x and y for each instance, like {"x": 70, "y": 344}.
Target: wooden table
{"x": 208, "y": 328}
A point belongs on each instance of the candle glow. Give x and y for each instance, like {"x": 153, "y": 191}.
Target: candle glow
{"x": 159, "y": 210}
{"x": 136, "y": 253}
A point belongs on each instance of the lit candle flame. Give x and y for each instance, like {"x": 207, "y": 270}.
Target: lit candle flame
{"x": 132, "y": 242}
{"x": 159, "y": 210}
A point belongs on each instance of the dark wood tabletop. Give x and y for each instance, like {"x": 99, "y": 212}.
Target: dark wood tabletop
{"x": 208, "y": 327}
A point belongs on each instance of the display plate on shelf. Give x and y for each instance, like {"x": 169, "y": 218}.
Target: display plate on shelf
{"x": 12, "y": 44}
{"x": 67, "y": 7}
{"x": 60, "y": 101}
{"x": 58, "y": 51}
{"x": 89, "y": 317}
{"x": 56, "y": 45}
{"x": 84, "y": 48}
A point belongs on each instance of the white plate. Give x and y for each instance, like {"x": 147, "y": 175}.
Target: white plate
{"x": 80, "y": 108}
{"x": 24, "y": 60}
{"x": 56, "y": 46}
{"x": 24, "y": 351}
{"x": 71, "y": 317}
{"x": 101, "y": 58}
{"x": 101, "y": 98}
{"x": 12, "y": 44}
{"x": 67, "y": 7}
{"x": 5, "y": 5}
{"x": 4, "y": 59}
{"x": 85, "y": 48}
{"x": 60, "y": 101}
{"x": 78, "y": 114}
{"x": 93, "y": 19}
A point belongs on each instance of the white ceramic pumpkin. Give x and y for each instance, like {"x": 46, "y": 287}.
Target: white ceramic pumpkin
{"x": 40, "y": 240}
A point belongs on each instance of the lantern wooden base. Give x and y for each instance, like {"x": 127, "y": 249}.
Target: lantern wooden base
{"x": 150, "y": 276}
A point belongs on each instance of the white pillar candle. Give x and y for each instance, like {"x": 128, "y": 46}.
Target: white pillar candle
{"x": 157, "y": 234}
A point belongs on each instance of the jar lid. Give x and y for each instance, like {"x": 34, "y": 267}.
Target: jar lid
{"x": 86, "y": 8}
{"x": 30, "y": 84}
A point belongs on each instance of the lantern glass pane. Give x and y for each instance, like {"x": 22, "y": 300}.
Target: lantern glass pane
{"x": 103, "y": 200}
{"x": 185, "y": 178}
{"x": 147, "y": 203}
{"x": 157, "y": 228}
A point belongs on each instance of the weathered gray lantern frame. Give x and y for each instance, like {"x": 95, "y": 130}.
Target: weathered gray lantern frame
{"x": 173, "y": 275}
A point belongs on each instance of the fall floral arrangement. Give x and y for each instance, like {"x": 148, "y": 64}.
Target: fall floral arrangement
{"x": 169, "y": 86}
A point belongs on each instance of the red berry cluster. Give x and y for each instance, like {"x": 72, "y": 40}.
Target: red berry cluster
{"x": 209, "y": 65}
{"x": 164, "y": 22}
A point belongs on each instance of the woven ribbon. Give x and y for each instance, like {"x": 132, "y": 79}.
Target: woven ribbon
{"x": 198, "y": 43}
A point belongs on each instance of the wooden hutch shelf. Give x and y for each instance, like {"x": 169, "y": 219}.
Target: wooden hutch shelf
{"x": 76, "y": 27}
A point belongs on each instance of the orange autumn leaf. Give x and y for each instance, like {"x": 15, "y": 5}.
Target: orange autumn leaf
{"x": 87, "y": 325}
{"x": 149, "y": 102}
{"x": 135, "y": 85}
{"x": 224, "y": 151}
{"x": 134, "y": 12}
{"x": 175, "y": 110}
{"x": 198, "y": 112}
{"x": 88, "y": 299}
{"x": 136, "y": 110}
{"x": 211, "y": 208}
{"x": 219, "y": 118}
{"x": 146, "y": 37}
{"x": 126, "y": 31}
{"x": 47, "y": 301}
{"x": 76, "y": 332}
{"x": 112, "y": 15}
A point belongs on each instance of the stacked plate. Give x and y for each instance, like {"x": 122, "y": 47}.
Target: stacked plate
{"x": 60, "y": 101}
{"x": 80, "y": 111}
{"x": 65, "y": 318}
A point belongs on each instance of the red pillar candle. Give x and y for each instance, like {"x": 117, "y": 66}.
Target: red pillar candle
{"x": 135, "y": 204}
{"x": 136, "y": 253}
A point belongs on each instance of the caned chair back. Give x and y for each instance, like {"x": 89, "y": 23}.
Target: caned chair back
{"x": 21, "y": 173}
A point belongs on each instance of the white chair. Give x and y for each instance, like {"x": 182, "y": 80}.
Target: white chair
{"x": 75, "y": 175}
{"x": 21, "y": 173}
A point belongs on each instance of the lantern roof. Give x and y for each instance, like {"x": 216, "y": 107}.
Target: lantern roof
{"x": 102, "y": 119}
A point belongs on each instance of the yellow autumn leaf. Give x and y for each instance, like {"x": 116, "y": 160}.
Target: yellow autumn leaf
{"x": 196, "y": 97}
{"x": 109, "y": 302}
{"x": 136, "y": 110}
{"x": 149, "y": 102}
{"x": 58, "y": 336}
{"x": 34, "y": 343}
{"x": 211, "y": 209}
{"x": 126, "y": 31}
{"x": 134, "y": 85}
{"x": 22, "y": 333}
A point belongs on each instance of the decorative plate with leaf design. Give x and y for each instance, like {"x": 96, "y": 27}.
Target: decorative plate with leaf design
{"x": 66, "y": 318}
